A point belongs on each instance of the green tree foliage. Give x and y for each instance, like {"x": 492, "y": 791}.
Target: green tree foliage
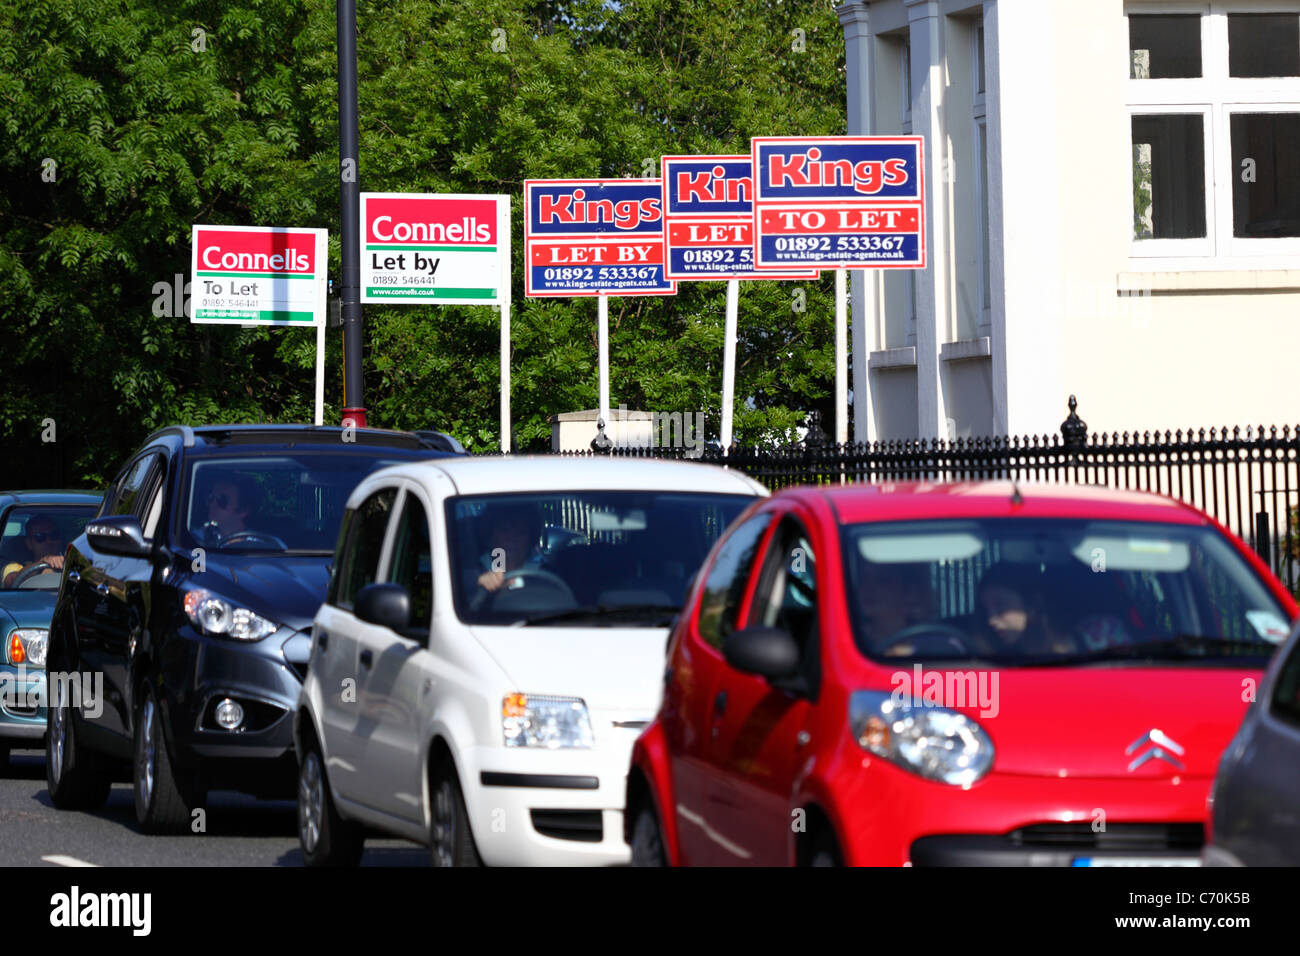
{"x": 126, "y": 121}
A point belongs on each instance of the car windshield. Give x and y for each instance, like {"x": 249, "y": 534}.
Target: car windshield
{"x": 1056, "y": 592}
{"x": 586, "y": 558}
{"x": 32, "y": 533}
{"x": 280, "y": 503}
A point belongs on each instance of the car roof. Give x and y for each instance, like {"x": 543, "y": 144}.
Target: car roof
{"x": 904, "y": 501}
{"x": 211, "y": 436}
{"x": 50, "y": 496}
{"x": 503, "y": 474}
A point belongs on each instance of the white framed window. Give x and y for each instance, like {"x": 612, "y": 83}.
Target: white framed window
{"x": 1214, "y": 126}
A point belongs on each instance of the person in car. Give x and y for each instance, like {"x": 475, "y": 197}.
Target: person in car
{"x": 1013, "y": 607}
{"x": 512, "y": 539}
{"x": 229, "y": 504}
{"x": 44, "y": 542}
{"x": 893, "y": 597}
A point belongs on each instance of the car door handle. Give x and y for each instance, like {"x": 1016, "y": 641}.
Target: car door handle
{"x": 322, "y": 640}
{"x": 74, "y": 577}
{"x": 367, "y": 658}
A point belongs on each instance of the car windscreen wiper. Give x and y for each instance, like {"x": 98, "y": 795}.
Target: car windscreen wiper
{"x": 1176, "y": 647}
{"x": 651, "y": 615}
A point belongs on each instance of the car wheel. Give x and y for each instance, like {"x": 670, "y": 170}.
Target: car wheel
{"x": 647, "y": 839}
{"x": 325, "y": 837}
{"x": 450, "y": 841}
{"x": 74, "y": 776}
{"x": 824, "y": 851}
{"x": 162, "y": 804}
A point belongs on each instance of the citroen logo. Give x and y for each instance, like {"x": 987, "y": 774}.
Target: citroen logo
{"x": 1160, "y": 746}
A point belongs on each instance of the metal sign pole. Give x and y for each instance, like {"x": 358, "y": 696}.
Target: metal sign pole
{"x": 320, "y": 374}
{"x": 603, "y": 316}
{"x": 505, "y": 373}
{"x": 729, "y": 363}
{"x": 841, "y": 358}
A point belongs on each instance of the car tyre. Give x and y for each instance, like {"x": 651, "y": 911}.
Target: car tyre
{"x": 325, "y": 837}
{"x": 647, "y": 837}
{"x": 75, "y": 777}
{"x": 450, "y": 841}
{"x": 824, "y": 852}
{"x": 162, "y": 802}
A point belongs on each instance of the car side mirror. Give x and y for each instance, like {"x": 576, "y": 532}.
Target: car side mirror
{"x": 386, "y": 605}
{"x": 118, "y": 534}
{"x": 769, "y": 652}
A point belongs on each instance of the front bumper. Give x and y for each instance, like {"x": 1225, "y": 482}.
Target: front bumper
{"x": 264, "y": 678}
{"x": 22, "y": 703}
{"x": 1017, "y": 820}
{"x": 549, "y": 808}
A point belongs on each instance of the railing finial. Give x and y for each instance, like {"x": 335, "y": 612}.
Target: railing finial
{"x": 601, "y": 444}
{"x": 1074, "y": 429}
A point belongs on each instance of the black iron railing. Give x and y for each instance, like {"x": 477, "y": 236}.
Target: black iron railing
{"x": 1246, "y": 478}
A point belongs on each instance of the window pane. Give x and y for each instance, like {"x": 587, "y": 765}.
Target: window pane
{"x": 366, "y": 541}
{"x": 412, "y": 562}
{"x": 1169, "y": 176}
{"x": 1263, "y": 44}
{"x": 1164, "y": 47}
{"x": 1266, "y": 179}
{"x": 727, "y": 578}
{"x": 979, "y": 58}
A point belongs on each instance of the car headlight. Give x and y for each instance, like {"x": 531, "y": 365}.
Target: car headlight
{"x": 934, "y": 742}
{"x": 551, "y": 722}
{"x": 215, "y": 615}
{"x": 27, "y": 646}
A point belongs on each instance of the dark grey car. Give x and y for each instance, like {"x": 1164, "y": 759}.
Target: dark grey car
{"x": 1255, "y": 801}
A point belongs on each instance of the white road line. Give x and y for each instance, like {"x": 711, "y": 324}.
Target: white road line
{"x": 60, "y": 860}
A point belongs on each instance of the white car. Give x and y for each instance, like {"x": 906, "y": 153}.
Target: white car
{"x": 491, "y": 645}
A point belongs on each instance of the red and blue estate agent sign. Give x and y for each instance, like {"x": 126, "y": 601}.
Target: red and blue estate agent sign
{"x": 839, "y": 202}
{"x": 594, "y": 237}
{"x": 709, "y": 209}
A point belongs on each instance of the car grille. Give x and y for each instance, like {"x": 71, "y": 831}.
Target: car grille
{"x": 1116, "y": 836}
{"x": 582, "y": 825}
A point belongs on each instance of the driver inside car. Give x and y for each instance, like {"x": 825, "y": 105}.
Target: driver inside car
{"x": 229, "y": 505}
{"x": 892, "y": 598}
{"x": 512, "y": 540}
{"x": 44, "y": 542}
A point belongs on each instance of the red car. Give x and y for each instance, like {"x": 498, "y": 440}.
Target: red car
{"x": 922, "y": 674}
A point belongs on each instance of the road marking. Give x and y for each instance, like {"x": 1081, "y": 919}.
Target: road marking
{"x": 60, "y": 860}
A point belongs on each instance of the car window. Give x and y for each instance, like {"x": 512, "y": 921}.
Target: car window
{"x": 29, "y": 533}
{"x": 359, "y": 562}
{"x": 412, "y": 564}
{"x": 132, "y": 484}
{"x": 290, "y": 502}
{"x": 581, "y": 558}
{"x": 1038, "y": 591}
{"x": 725, "y": 585}
{"x": 1285, "y": 703}
{"x": 786, "y": 594}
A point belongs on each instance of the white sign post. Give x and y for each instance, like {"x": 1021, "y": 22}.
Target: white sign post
{"x": 440, "y": 249}
{"x": 262, "y": 275}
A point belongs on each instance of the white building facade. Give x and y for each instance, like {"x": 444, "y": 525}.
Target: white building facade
{"x": 1113, "y": 200}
